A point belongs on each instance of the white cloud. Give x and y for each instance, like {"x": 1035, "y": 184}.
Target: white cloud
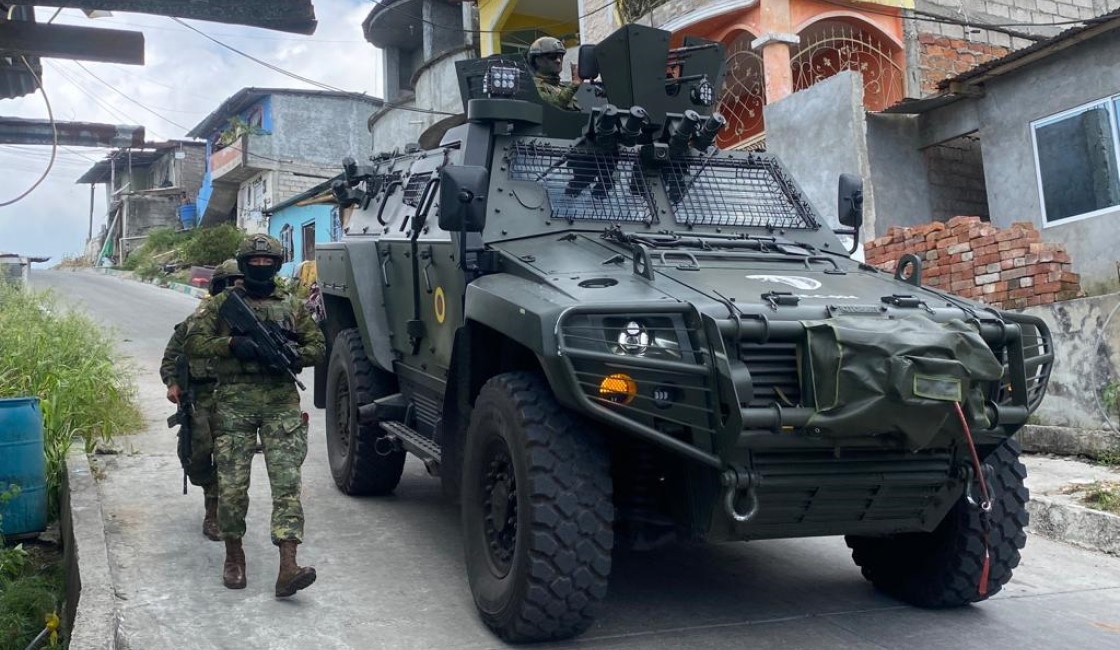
{"x": 185, "y": 78}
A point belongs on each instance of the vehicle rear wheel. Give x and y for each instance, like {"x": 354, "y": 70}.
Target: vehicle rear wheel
{"x": 944, "y": 568}
{"x": 537, "y": 512}
{"x": 362, "y": 462}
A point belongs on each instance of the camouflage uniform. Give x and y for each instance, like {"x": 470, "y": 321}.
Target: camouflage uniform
{"x": 251, "y": 399}
{"x": 552, "y": 91}
{"x": 200, "y": 468}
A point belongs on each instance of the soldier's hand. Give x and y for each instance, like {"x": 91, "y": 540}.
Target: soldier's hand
{"x": 174, "y": 393}
{"x": 243, "y": 348}
{"x": 576, "y": 79}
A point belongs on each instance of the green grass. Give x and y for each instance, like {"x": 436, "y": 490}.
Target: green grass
{"x": 1099, "y": 495}
{"x": 86, "y": 394}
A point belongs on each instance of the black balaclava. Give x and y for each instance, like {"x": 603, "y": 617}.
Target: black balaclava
{"x": 258, "y": 279}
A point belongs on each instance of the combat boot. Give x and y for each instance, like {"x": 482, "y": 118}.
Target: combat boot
{"x": 233, "y": 573}
{"x": 292, "y": 577}
{"x": 210, "y": 521}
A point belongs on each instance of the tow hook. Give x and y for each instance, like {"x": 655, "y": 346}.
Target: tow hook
{"x": 734, "y": 480}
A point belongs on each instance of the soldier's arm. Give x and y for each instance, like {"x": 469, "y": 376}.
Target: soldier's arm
{"x": 564, "y": 97}
{"x": 171, "y": 354}
{"x": 312, "y": 346}
{"x": 204, "y": 336}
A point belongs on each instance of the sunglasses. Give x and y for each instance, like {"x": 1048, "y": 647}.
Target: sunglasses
{"x": 554, "y": 57}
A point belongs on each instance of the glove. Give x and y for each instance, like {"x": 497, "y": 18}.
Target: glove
{"x": 243, "y": 348}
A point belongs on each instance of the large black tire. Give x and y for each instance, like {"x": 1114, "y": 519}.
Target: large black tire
{"x": 359, "y": 465}
{"x": 943, "y": 568}
{"x": 537, "y": 512}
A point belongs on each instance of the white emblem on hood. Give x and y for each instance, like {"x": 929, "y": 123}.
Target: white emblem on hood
{"x": 795, "y": 281}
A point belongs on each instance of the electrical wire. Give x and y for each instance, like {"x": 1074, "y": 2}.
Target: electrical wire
{"x": 116, "y": 90}
{"x": 115, "y": 112}
{"x": 54, "y": 137}
{"x": 306, "y": 80}
{"x": 541, "y": 28}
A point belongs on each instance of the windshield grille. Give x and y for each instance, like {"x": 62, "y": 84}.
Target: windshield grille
{"x": 748, "y": 192}
{"x": 584, "y": 183}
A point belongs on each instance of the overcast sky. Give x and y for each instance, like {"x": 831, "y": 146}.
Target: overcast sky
{"x": 185, "y": 77}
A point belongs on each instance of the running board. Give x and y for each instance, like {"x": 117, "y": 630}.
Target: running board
{"x": 413, "y": 442}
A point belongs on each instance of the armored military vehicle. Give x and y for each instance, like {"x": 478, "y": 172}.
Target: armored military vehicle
{"x": 601, "y": 331}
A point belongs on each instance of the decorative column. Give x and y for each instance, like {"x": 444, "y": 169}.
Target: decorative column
{"x": 774, "y": 44}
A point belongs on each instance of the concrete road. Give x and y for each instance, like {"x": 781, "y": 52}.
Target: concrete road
{"x": 391, "y": 569}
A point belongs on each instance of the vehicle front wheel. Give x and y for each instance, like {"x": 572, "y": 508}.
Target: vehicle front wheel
{"x": 362, "y": 462}
{"x": 537, "y": 512}
{"x": 944, "y": 568}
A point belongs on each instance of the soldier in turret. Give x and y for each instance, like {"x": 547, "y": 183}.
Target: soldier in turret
{"x": 546, "y": 56}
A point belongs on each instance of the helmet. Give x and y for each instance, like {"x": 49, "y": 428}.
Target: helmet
{"x": 544, "y": 46}
{"x": 223, "y": 274}
{"x": 259, "y": 245}
{"x": 226, "y": 270}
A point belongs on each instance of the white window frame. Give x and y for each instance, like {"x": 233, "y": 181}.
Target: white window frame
{"x": 1110, "y": 104}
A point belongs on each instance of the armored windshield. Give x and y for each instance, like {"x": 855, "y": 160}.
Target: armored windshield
{"x": 719, "y": 189}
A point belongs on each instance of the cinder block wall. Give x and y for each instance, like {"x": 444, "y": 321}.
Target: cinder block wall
{"x": 1010, "y": 268}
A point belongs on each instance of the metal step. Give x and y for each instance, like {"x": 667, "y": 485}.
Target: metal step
{"x": 424, "y": 448}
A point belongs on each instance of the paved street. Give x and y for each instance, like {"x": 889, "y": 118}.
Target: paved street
{"x": 391, "y": 569}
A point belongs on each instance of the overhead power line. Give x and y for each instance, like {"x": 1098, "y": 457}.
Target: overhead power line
{"x": 288, "y": 73}
{"x": 54, "y": 138}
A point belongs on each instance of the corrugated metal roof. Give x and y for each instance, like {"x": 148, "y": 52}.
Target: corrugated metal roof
{"x": 967, "y": 83}
{"x": 101, "y": 171}
{"x": 1092, "y": 27}
{"x": 15, "y": 79}
{"x": 246, "y": 97}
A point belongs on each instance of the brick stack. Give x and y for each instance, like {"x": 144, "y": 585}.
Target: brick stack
{"x": 1010, "y": 268}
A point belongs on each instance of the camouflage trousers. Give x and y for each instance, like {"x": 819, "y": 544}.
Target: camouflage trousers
{"x": 272, "y": 411}
{"x": 200, "y": 468}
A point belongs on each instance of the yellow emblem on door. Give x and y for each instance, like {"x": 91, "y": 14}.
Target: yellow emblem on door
{"x": 440, "y": 305}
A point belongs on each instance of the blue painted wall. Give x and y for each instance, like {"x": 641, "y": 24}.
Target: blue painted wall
{"x": 296, "y": 217}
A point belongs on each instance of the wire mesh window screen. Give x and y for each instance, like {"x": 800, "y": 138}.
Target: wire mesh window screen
{"x": 585, "y": 183}
{"x": 733, "y": 192}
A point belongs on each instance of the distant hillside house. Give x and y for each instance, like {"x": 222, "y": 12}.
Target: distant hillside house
{"x": 264, "y": 145}
{"x": 145, "y": 188}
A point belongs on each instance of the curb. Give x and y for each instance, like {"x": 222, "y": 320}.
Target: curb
{"x": 91, "y": 606}
{"x": 1067, "y": 441}
{"x": 174, "y": 286}
{"x": 1074, "y": 524}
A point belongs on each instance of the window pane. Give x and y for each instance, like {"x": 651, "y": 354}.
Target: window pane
{"x": 1077, "y": 161}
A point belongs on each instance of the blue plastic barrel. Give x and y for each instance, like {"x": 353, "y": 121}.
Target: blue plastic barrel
{"x": 188, "y": 213}
{"x": 22, "y": 463}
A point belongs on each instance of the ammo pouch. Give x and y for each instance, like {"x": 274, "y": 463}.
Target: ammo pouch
{"x": 897, "y": 377}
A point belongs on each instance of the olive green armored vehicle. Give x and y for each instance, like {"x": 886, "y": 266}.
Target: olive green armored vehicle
{"x": 600, "y": 331}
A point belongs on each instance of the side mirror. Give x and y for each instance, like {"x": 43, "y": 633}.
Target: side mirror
{"x": 588, "y": 66}
{"x": 849, "y": 203}
{"x": 462, "y": 198}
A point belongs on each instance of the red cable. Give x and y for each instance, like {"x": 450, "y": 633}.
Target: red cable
{"x": 985, "y": 505}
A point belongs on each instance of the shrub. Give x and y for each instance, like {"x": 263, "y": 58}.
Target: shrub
{"x": 211, "y": 246}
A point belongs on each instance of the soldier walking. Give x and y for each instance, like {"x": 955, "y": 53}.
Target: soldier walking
{"x": 254, "y": 398}
{"x": 200, "y": 466}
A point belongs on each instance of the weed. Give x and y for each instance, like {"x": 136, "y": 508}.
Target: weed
{"x": 1099, "y": 495}
{"x": 66, "y": 361}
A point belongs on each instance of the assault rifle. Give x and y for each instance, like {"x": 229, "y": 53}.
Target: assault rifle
{"x": 182, "y": 416}
{"x": 275, "y": 348}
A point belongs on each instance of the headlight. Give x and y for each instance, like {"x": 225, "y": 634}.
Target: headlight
{"x": 653, "y": 337}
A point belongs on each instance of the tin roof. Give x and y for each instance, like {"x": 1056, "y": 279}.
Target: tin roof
{"x": 955, "y": 88}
